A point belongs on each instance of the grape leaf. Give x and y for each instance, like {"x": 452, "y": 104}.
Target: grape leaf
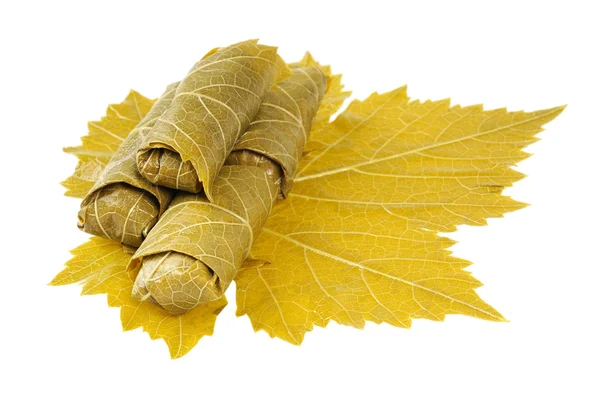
{"x": 100, "y": 264}
{"x": 357, "y": 240}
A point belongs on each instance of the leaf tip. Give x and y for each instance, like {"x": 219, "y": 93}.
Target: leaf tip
{"x": 176, "y": 354}
{"x": 498, "y": 317}
{"x": 60, "y": 279}
{"x": 53, "y": 282}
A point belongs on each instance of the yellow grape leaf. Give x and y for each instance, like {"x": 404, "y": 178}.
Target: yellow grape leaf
{"x": 102, "y": 140}
{"x": 100, "y": 265}
{"x": 357, "y": 240}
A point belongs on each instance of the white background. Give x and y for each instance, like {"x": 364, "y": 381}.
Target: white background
{"x": 62, "y": 63}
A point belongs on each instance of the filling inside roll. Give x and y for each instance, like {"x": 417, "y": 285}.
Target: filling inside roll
{"x": 176, "y": 282}
{"x": 251, "y": 158}
{"x": 164, "y": 167}
{"x": 119, "y": 212}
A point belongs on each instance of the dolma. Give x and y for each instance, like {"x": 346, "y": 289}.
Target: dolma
{"x": 214, "y": 104}
{"x": 195, "y": 250}
{"x": 122, "y": 205}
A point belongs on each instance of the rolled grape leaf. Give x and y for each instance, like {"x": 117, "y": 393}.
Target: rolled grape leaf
{"x": 214, "y": 104}
{"x": 197, "y": 247}
{"x": 193, "y": 253}
{"x": 122, "y": 205}
{"x": 282, "y": 125}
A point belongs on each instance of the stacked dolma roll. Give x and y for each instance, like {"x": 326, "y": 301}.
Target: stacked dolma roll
{"x": 122, "y": 205}
{"x": 221, "y": 147}
{"x": 197, "y": 247}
